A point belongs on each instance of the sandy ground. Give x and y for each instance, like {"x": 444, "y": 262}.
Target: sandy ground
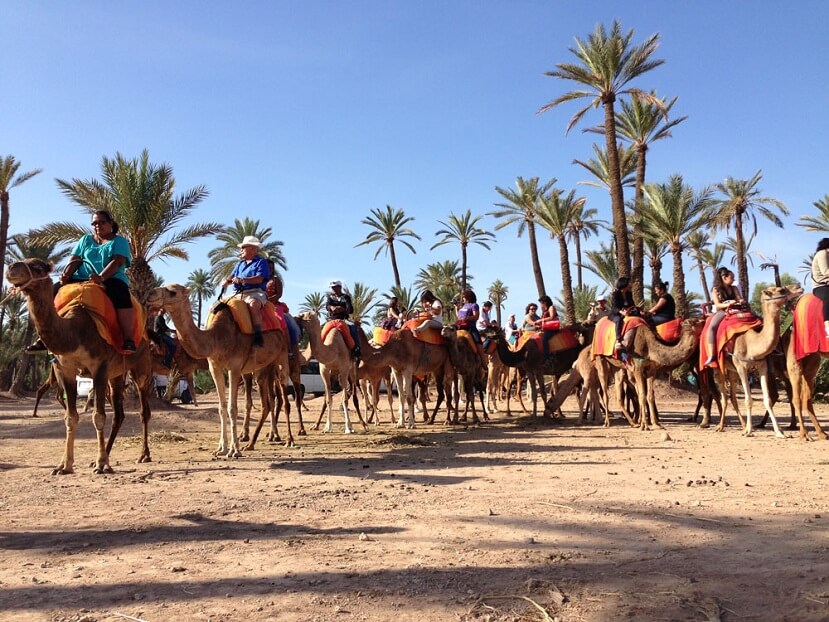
{"x": 507, "y": 521}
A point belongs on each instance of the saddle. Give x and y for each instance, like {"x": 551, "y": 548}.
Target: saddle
{"x": 431, "y": 336}
{"x": 380, "y": 335}
{"x": 92, "y": 298}
{"x": 241, "y": 315}
{"x": 733, "y": 324}
{"x": 562, "y": 340}
{"x": 340, "y": 326}
{"x": 808, "y": 334}
{"x": 604, "y": 337}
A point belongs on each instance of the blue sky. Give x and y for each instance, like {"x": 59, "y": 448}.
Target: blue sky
{"x": 307, "y": 115}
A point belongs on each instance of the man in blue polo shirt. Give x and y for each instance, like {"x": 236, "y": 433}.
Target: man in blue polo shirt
{"x": 250, "y": 278}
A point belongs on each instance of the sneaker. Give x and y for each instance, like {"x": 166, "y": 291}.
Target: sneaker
{"x": 36, "y": 348}
{"x": 129, "y": 345}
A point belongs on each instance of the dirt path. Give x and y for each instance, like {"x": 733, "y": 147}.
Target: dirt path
{"x": 493, "y": 523}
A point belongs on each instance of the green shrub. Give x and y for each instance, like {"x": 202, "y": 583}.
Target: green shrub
{"x": 203, "y": 381}
{"x": 822, "y": 382}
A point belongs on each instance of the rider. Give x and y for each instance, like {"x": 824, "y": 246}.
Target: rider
{"x": 724, "y": 295}
{"x": 249, "y": 278}
{"x": 549, "y": 323}
{"x": 339, "y": 307}
{"x": 621, "y": 301}
{"x": 664, "y": 310}
{"x": 820, "y": 275}
{"x": 433, "y": 310}
{"x": 164, "y": 333}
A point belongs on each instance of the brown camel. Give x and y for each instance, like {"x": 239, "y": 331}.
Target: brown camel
{"x": 77, "y": 347}
{"x": 183, "y": 366}
{"x": 51, "y": 381}
{"x": 648, "y": 356}
{"x": 334, "y": 357}
{"x": 751, "y": 350}
{"x": 408, "y": 358}
{"x": 495, "y": 378}
{"x": 370, "y": 378}
{"x": 467, "y": 363}
{"x": 584, "y": 373}
{"x": 802, "y": 374}
{"x": 226, "y": 348}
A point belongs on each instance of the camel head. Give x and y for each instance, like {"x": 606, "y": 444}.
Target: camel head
{"x": 308, "y": 317}
{"x": 168, "y": 297}
{"x": 449, "y": 332}
{"x": 29, "y": 271}
{"x": 773, "y": 298}
{"x": 693, "y": 325}
{"x": 492, "y": 332}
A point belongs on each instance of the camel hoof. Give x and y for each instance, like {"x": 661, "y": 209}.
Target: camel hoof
{"x": 290, "y": 443}
{"x": 748, "y": 433}
{"x": 348, "y": 431}
{"x": 234, "y": 453}
{"x": 302, "y": 432}
{"x": 274, "y": 438}
{"x": 145, "y": 458}
{"x": 780, "y": 435}
{"x": 103, "y": 470}
{"x": 315, "y": 428}
{"x": 247, "y": 447}
{"x": 62, "y": 471}
{"x": 704, "y": 426}
{"x": 244, "y": 438}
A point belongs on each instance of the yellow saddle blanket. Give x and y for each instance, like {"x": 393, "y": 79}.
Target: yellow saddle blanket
{"x": 93, "y": 299}
{"x": 241, "y": 315}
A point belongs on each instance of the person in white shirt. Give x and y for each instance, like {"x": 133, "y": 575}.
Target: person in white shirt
{"x": 434, "y": 308}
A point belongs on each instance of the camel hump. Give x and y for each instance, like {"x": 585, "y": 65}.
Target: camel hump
{"x": 240, "y": 311}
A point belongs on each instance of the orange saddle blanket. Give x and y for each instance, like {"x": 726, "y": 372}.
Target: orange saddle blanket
{"x": 562, "y": 340}
{"x": 340, "y": 326}
{"x": 670, "y": 331}
{"x": 732, "y": 325}
{"x": 241, "y": 314}
{"x": 93, "y": 299}
{"x": 604, "y": 337}
{"x": 430, "y": 335}
{"x": 807, "y": 329}
{"x": 380, "y": 336}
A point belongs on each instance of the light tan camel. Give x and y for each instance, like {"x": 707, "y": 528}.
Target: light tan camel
{"x": 584, "y": 373}
{"x": 183, "y": 366}
{"x": 226, "y": 348}
{"x": 77, "y": 347}
{"x": 751, "y": 350}
{"x": 648, "y": 356}
{"x": 408, "y": 358}
{"x": 495, "y": 378}
{"x": 469, "y": 366}
{"x": 802, "y": 374}
{"x": 370, "y": 377}
{"x": 334, "y": 357}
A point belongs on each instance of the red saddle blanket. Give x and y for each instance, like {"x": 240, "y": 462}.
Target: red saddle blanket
{"x": 340, "y": 326}
{"x": 93, "y": 299}
{"x": 241, "y": 315}
{"x": 562, "y": 340}
{"x": 807, "y": 329}
{"x": 670, "y": 331}
{"x": 430, "y": 335}
{"x": 732, "y": 325}
{"x": 604, "y": 337}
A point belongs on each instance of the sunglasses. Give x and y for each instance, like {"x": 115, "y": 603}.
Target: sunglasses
{"x": 99, "y": 223}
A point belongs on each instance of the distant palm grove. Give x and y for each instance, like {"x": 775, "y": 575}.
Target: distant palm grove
{"x": 649, "y": 223}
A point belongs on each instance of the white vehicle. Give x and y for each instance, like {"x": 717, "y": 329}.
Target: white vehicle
{"x": 310, "y": 379}
{"x": 84, "y": 386}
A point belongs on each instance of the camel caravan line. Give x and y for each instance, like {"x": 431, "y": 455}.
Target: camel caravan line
{"x": 83, "y": 335}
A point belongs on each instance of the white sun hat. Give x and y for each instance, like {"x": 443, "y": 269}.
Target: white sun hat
{"x": 336, "y": 284}
{"x": 250, "y": 240}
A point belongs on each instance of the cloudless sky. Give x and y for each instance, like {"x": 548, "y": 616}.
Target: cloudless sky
{"x": 307, "y": 115}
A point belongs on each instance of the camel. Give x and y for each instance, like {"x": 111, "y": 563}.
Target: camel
{"x": 334, "y": 357}
{"x": 647, "y": 356}
{"x": 802, "y": 374}
{"x": 496, "y": 376}
{"x": 529, "y": 359}
{"x": 226, "y": 348}
{"x": 583, "y": 373}
{"x": 467, "y": 362}
{"x": 51, "y": 381}
{"x": 183, "y": 366}
{"x": 408, "y": 357}
{"x": 370, "y": 377}
{"x": 77, "y": 346}
{"x": 751, "y": 350}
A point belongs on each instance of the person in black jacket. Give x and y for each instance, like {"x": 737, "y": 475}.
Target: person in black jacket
{"x": 338, "y": 305}
{"x": 621, "y": 302}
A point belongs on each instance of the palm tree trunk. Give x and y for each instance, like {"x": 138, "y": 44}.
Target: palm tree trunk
{"x": 577, "y": 238}
{"x": 703, "y": 280}
{"x": 463, "y": 266}
{"x": 199, "y": 308}
{"x": 742, "y": 260}
{"x": 656, "y": 275}
{"x": 394, "y": 265}
{"x": 25, "y": 363}
{"x": 617, "y": 197}
{"x": 638, "y": 243}
{"x": 679, "y": 282}
{"x": 539, "y": 277}
{"x": 142, "y": 279}
{"x": 566, "y": 282}
{"x": 4, "y": 232}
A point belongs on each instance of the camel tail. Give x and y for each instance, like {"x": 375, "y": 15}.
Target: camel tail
{"x": 565, "y": 388}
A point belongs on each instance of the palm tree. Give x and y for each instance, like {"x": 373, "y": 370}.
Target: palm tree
{"x": 201, "y": 286}
{"x": 9, "y": 179}
{"x": 314, "y": 302}
{"x": 555, "y": 213}
{"x": 140, "y": 196}
{"x": 498, "y": 293}
{"x": 697, "y": 242}
{"x": 643, "y": 121}
{"x": 602, "y": 263}
{"x": 442, "y": 278}
{"x": 583, "y": 297}
{"x": 607, "y": 63}
{"x": 655, "y": 251}
{"x": 225, "y": 257}
{"x": 583, "y": 224}
{"x": 389, "y": 227}
{"x": 520, "y": 207}
{"x": 600, "y": 169}
{"x": 739, "y": 205}
{"x": 713, "y": 257}
{"x": 671, "y": 211}
{"x": 819, "y": 223}
{"x": 464, "y": 230}
{"x": 363, "y": 301}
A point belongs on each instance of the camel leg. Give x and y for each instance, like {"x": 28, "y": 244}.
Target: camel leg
{"x": 329, "y": 399}
{"x": 278, "y": 402}
{"x": 116, "y": 387}
{"x": 70, "y": 418}
{"x": 50, "y": 381}
{"x": 406, "y": 400}
{"x": 221, "y": 391}
{"x": 742, "y": 371}
{"x": 763, "y": 370}
{"x": 264, "y": 382}
{"x": 345, "y": 394}
{"x": 99, "y": 418}
{"x": 651, "y": 401}
{"x": 248, "y": 380}
{"x": 144, "y": 385}
{"x": 234, "y": 450}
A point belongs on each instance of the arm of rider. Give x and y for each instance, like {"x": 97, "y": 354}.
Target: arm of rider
{"x": 72, "y": 267}
{"x": 111, "y": 268}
